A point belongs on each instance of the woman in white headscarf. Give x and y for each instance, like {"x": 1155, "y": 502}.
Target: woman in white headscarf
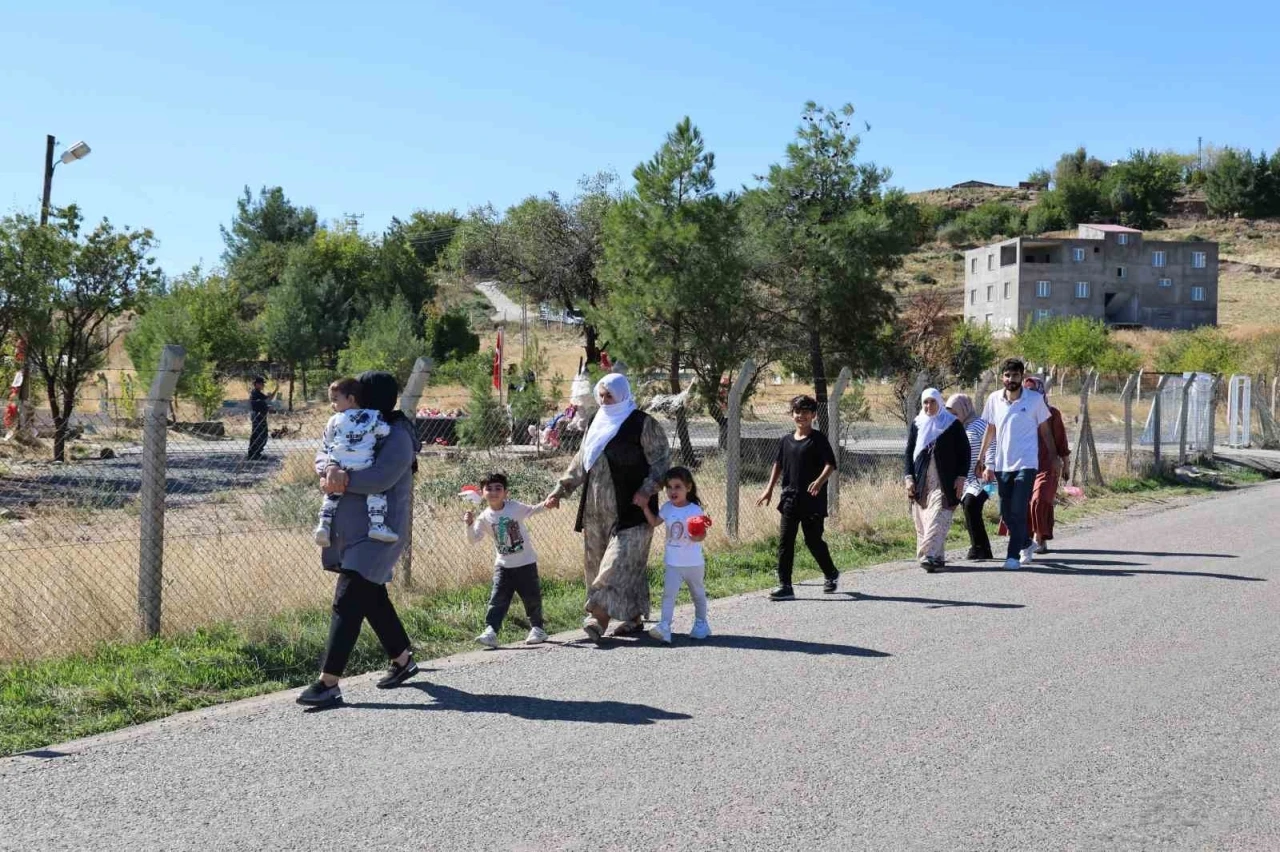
{"x": 621, "y": 460}
{"x": 936, "y": 466}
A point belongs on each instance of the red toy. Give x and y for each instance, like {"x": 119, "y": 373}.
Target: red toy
{"x": 697, "y": 526}
{"x": 471, "y": 494}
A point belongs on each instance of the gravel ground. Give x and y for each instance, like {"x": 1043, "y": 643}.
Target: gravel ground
{"x": 1122, "y": 694}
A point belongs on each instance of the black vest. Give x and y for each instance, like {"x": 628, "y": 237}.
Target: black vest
{"x": 629, "y": 468}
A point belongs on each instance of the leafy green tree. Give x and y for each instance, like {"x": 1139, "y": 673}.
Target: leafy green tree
{"x": 1142, "y": 188}
{"x": 1206, "y": 349}
{"x": 1228, "y": 187}
{"x": 1120, "y": 359}
{"x": 676, "y": 278}
{"x": 828, "y": 232}
{"x": 289, "y": 325}
{"x": 98, "y": 276}
{"x": 384, "y": 340}
{"x": 258, "y": 241}
{"x": 450, "y": 338}
{"x": 973, "y": 350}
{"x": 993, "y": 219}
{"x": 548, "y": 247}
{"x": 430, "y": 233}
{"x": 399, "y": 271}
{"x": 486, "y": 423}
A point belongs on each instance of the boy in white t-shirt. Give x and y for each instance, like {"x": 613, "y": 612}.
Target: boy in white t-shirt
{"x": 515, "y": 564}
{"x": 1017, "y": 421}
{"x": 686, "y": 525}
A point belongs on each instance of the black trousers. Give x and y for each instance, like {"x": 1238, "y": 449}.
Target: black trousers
{"x": 812, "y": 527}
{"x": 979, "y": 543}
{"x": 257, "y": 436}
{"x": 354, "y": 600}
{"x": 511, "y": 581}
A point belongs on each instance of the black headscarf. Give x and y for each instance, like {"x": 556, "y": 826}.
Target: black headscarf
{"x": 380, "y": 391}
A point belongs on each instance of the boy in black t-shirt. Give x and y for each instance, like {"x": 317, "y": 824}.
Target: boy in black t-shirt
{"x": 804, "y": 462}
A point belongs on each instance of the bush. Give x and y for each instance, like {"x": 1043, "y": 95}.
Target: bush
{"x": 384, "y": 340}
{"x": 993, "y": 219}
{"x": 854, "y": 407}
{"x": 924, "y": 278}
{"x": 1205, "y": 350}
{"x": 487, "y": 425}
{"x": 206, "y": 390}
{"x": 955, "y": 234}
{"x": 450, "y": 338}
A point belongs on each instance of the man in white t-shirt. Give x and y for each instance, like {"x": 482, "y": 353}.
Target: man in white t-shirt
{"x": 1017, "y": 420}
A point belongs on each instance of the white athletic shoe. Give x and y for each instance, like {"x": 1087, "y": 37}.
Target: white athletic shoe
{"x": 381, "y": 532}
{"x": 489, "y": 638}
{"x": 1012, "y": 564}
{"x": 661, "y": 632}
{"x": 700, "y": 630}
{"x": 322, "y": 536}
{"x": 536, "y": 636}
{"x": 1028, "y": 555}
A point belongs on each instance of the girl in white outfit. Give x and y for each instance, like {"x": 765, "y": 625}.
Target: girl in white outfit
{"x": 349, "y": 440}
{"x": 685, "y": 564}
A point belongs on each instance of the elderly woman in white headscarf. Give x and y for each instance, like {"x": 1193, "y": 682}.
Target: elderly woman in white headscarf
{"x": 936, "y": 466}
{"x": 622, "y": 458}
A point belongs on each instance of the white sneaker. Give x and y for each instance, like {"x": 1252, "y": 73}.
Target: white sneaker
{"x": 700, "y": 630}
{"x": 1012, "y": 564}
{"x": 536, "y": 636}
{"x": 489, "y": 638}
{"x": 383, "y": 533}
{"x": 1028, "y": 555}
{"x": 661, "y": 631}
{"x": 322, "y": 536}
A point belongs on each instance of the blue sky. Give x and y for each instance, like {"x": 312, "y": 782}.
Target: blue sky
{"x": 390, "y": 107}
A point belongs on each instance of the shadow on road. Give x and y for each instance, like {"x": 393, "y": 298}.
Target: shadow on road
{"x": 930, "y": 603}
{"x": 528, "y": 707}
{"x": 791, "y": 646}
{"x": 1067, "y": 567}
{"x": 1143, "y": 553}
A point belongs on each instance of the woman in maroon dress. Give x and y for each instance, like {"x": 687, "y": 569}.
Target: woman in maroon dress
{"x": 1045, "y": 490}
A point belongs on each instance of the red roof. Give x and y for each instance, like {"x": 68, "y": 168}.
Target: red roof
{"x": 1112, "y": 229}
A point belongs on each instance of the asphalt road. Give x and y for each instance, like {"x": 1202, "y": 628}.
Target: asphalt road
{"x": 1122, "y": 694}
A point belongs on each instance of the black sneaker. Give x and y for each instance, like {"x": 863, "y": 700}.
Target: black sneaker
{"x": 832, "y": 585}
{"x": 319, "y": 695}
{"x": 783, "y": 593}
{"x": 398, "y": 674}
{"x": 979, "y": 555}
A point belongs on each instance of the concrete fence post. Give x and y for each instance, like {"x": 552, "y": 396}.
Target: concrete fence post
{"x": 833, "y": 411}
{"x": 409, "y": 399}
{"x": 1156, "y": 414}
{"x": 151, "y": 496}
{"x": 1215, "y": 397}
{"x": 1183, "y": 418}
{"x": 1126, "y": 397}
{"x": 733, "y": 448}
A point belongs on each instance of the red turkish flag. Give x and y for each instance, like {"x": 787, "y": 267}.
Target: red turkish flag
{"x": 497, "y": 363}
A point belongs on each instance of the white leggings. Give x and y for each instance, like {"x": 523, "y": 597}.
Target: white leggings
{"x": 672, "y": 579}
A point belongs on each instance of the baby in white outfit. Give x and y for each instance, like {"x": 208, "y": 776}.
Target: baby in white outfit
{"x": 350, "y": 437}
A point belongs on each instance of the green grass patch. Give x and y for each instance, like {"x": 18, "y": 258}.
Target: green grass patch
{"x": 121, "y": 684}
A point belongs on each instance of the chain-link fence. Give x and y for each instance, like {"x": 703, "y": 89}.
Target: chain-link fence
{"x": 159, "y": 520}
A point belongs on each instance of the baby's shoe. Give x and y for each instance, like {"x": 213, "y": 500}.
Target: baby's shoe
{"x": 322, "y": 536}
{"x": 382, "y": 532}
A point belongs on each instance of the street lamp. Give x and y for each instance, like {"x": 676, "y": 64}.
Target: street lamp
{"x": 78, "y": 151}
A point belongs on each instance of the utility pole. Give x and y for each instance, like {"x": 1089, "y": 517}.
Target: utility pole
{"x": 1200, "y": 152}
{"x": 22, "y": 428}
{"x": 49, "y": 144}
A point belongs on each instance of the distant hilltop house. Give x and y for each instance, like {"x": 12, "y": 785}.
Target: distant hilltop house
{"x": 977, "y": 184}
{"x": 1108, "y": 272}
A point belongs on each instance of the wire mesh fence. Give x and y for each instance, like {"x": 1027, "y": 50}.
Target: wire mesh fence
{"x": 159, "y": 520}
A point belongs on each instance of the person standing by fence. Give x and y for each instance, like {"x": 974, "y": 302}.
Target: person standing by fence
{"x": 1014, "y": 416}
{"x": 975, "y": 496}
{"x": 365, "y": 566}
{"x": 257, "y": 419}
{"x": 1045, "y": 490}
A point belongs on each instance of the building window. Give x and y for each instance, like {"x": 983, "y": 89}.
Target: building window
{"x": 1157, "y": 258}
{"x": 1006, "y": 289}
{"x": 973, "y": 265}
{"x": 1077, "y": 255}
{"x": 991, "y": 261}
{"x": 991, "y": 292}
{"x": 1197, "y": 294}
{"x": 1082, "y": 289}
{"x": 1121, "y": 272}
{"x": 1042, "y": 314}
{"x": 973, "y": 297}
{"x": 1042, "y": 289}
{"x": 1198, "y": 260}
{"x": 988, "y": 320}
{"x": 1122, "y": 239}
{"x": 1166, "y": 282}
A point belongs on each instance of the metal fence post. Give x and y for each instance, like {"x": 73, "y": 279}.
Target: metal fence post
{"x": 1182, "y": 418}
{"x": 151, "y": 497}
{"x": 1126, "y": 397}
{"x": 409, "y": 399}
{"x": 833, "y": 413}
{"x": 733, "y": 448}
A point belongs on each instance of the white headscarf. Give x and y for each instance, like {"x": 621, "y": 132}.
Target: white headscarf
{"x": 929, "y": 429}
{"x": 608, "y": 419}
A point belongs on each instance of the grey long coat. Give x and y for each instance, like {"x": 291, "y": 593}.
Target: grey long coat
{"x": 391, "y": 474}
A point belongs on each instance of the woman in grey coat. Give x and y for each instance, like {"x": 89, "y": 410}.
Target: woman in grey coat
{"x": 364, "y": 566}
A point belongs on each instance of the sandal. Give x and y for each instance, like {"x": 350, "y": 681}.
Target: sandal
{"x": 627, "y": 628}
{"x": 593, "y": 630}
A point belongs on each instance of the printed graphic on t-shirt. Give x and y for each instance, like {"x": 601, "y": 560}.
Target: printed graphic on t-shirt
{"x": 676, "y": 533}
{"x": 508, "y": 536}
